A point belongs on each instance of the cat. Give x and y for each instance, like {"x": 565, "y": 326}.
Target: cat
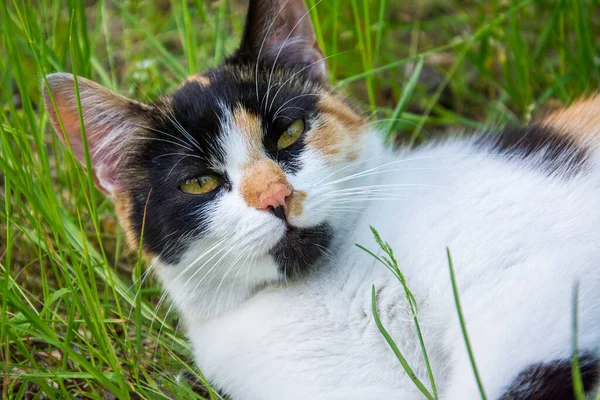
{"x": 251, "y": 183}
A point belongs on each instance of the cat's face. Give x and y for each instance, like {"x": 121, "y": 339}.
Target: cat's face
{"x": 233, "y": 175}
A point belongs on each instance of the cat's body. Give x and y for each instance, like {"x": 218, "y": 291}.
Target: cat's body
{"x": 250, "y": 185}
{"x": 520, "y": 239}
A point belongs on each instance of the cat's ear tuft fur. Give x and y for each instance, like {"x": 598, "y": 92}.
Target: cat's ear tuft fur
{"x": 110, "y": 122}
{"x": 281, "y": 31}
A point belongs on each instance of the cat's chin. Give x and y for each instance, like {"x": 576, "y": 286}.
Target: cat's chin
{"x": 300, "y": 249}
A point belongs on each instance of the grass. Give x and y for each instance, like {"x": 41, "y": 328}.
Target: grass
{"x": 75, "y": 319}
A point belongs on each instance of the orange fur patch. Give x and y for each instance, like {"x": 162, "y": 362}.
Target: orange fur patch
{"x": 123, "y": 211}
{"x": 199, "y": 78}
{"x": 581, "y": 120}
{"x": 336, "y": 106}
{"x": 327, "y": 138}
{"x": 339, "y": 135}
{"x": 258, "y": 177}
{"x": 294, "y": 203}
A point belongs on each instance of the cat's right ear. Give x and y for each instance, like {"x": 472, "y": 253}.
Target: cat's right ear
{"x": 280, "y": 31}
{"x": 110, "y": 122}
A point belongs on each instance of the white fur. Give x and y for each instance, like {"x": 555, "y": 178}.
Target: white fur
{"x": 520, "y": 241}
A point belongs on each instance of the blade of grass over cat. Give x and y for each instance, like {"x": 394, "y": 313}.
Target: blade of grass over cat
{"x": 390, "y": 262}
{"x": 395, "y": 349}
{"x": 575, "y": 369}
{"x": 463, "y": 325}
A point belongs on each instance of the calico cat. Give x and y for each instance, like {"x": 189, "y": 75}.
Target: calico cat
{"x": 251, "y": 183}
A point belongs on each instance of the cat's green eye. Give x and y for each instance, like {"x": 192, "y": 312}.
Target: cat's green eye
{"x": 200, "y": 185}
{"x": 291, "y": 134}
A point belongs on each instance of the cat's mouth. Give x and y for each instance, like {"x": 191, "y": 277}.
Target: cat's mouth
{"x": 301, "y": 248}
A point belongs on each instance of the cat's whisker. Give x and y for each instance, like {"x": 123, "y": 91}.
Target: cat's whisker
{"x": 177, "y": 154}
{"x": 352, "y": 164}
{"x": 420, "y": 158}
{"x": 186, "y": 283}
{"x": 365, "y": 193}
{"x": 366, "y": 199}
{"x": 235, "y": 261}
{"x": 213, "y": 248}
{"x": 384, "y": 186}
{"x": 248, "y": 259}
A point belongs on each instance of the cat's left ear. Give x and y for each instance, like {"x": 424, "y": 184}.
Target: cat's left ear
{"x": 110, "y": 120}
{"x": 281, "y": 31}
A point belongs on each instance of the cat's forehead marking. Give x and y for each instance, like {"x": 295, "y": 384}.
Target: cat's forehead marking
{"x": 250, "y": 127}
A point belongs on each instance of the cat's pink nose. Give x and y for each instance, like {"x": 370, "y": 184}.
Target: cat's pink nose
{"x": 274, "y": 196}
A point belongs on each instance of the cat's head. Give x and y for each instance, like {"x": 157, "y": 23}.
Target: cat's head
{"x": 234, "y": 174}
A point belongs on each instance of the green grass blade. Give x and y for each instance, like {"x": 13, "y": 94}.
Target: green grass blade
{"x": 395, "y": 349}
{"x": 463, "y": 326}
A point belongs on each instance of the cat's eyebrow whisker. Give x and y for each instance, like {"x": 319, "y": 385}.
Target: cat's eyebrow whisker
{"x": 182, "y": 130}
{"x": 300, "y": 71}
{"x": 180, "y": 142}
{"x": 173, "y": 120}
{"x": 284, "y": 116}
{"x": 283, "y": 46}
{"x": 164, "y": 140}
{"x": 289, "y": 108}
{"x": 294, "y": 98}
{"x": 175, "y": 165}
{"x": 177, "y": 154}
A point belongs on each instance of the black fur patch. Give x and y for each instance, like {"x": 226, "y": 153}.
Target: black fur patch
{"x": 301, "y": 248}
{"x": 553, "y": 380}
{"x": 553, "y": 151}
